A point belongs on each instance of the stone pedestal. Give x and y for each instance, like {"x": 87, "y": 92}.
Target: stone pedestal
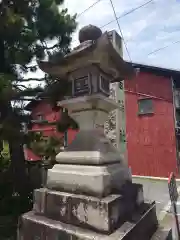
{"x": 89, "y": 194}
{"x": 58, "y": 215}
{"x": 91, "y": 164}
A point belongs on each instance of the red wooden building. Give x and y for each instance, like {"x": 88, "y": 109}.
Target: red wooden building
{"x": 151, "y": 121}
{"x": 151, "y": 116}
{"x": 42, "y": 110}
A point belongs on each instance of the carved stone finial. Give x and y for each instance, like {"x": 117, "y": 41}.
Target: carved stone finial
{"x": 89, "y": 32}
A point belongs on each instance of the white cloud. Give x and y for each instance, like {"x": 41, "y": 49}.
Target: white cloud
{"x": 153, "y": 26}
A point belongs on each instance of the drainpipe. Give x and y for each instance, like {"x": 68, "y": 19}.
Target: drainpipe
{"x": 65, "y": 133}
{"x": 174, "y": 116}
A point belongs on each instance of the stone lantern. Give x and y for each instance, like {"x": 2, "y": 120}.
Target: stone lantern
{"x": 89, "y": 194}
{"x": 90, "y": 165}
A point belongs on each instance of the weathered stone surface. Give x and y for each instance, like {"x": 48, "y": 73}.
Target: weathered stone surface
{"x": 163, "y": 234}
{"x": 142, "y": 224}
{"x": 89, "y": 111}
{"x": 95, "y": 149}
{"x": 40, "y": 200}
{"x": 88, "y": 212}
{"x": 95, "y": 181}
{"x": 101, "y": 52}
{"x": 133, "y": 196}
{"x": 92, "y": 102}
{"x": 82, "y": 210}
{"x": 87, "y": 157}
{"x": 43, "y": 228}
{"x": 89, "y": 32}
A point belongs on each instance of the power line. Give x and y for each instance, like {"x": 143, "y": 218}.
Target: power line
{"x": 85, "y": 10}
{"x": 120, "y": 30}
{"x": 127, "y": 13}
{"x": 121, "y": 16}
{"x": 162, "y": 48}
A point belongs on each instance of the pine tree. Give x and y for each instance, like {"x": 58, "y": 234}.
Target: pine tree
{"x": 27, "y": 28}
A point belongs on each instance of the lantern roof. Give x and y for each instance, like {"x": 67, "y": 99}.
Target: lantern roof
{"x": 95, "y": 48}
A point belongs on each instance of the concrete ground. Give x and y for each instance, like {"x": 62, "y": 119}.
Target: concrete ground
{"x": 157, "y": 190}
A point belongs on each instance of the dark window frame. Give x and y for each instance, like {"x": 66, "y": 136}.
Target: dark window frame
{"x": 145, "y": 110}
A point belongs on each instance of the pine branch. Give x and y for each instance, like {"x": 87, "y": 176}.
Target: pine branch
{"x": 24, "y": 99}
{"x": 33, "y": 79}
{"x": 23, "y": 94}
{"x": 52, "y": 47}
{"x": 20, "y": 85}
{"x": 31, "y": 66}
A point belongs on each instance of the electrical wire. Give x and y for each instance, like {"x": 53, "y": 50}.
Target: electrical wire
{"x": 121, "y": 16}
{"x": 120, "y": 29}
{"x": 117, "y": 18}
{"x": 85, "y": 10}
{"x": 127, "y": 13}
{"x": 162, "y": 48}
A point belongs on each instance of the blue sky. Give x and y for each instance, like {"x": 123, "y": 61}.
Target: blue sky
{"x": 154, "y": 26}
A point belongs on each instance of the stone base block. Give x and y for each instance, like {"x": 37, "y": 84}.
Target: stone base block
{"x": 98, "y": 181}
{"x": 89, "y": 212}
{"x": 141, "y": 227}
{"x": 96, "y": 149}
{"x": 82, "y": 210}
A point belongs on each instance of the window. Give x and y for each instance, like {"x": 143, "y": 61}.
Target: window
{"x": 145, "y": 106}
